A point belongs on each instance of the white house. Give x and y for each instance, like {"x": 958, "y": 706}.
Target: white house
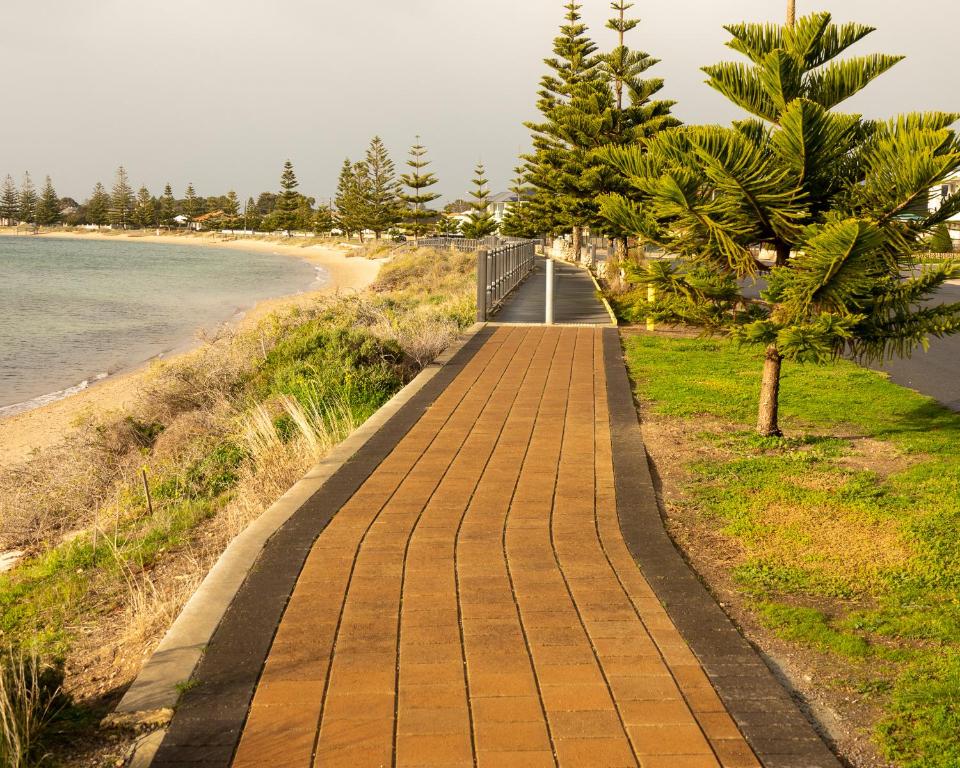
{"x": 498, "y": 205}
{"x": 939, "y": 194}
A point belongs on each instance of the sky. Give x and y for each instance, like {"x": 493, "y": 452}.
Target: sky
{"x": 219, "y": 93}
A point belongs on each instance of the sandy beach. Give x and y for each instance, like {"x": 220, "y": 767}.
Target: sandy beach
{"x": 42, "y": 427}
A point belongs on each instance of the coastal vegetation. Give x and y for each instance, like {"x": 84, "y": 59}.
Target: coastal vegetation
{"x": 121, "y": 521}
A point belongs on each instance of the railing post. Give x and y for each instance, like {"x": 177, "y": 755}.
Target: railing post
{"x": 482, "y": 285}
{"x": 548, "y": 319}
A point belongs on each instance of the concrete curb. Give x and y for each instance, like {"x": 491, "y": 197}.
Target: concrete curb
{"x": 762, "y": 708}
{"x": 154, "y": 693}
{"x": 606, "y": 304}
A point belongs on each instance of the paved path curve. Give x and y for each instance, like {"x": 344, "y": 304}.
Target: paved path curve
{"x": 474, "y": 603}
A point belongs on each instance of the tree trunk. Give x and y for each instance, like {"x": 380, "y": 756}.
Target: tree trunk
{"x": 783, "y": 254}
{"x": 791, "y": 12}
{"x": 576, "y": 244}
{"x": 767, "y": 419}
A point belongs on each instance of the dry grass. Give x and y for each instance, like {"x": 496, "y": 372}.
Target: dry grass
{"x": 29, "y": 696}
{"x": 220, "y": 440}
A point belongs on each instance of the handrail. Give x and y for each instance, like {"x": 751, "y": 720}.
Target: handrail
{"x": 499, "y": 271}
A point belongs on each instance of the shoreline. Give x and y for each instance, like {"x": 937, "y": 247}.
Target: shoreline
{"x": 44, "y": 426}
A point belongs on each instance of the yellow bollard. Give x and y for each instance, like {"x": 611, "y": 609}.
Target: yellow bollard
{"x": 651, "y": 297}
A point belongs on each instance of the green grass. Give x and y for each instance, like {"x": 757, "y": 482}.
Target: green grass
{"x": 820, "y": 523}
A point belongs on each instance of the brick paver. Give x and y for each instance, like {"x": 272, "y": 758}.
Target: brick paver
{"x": 474, "y": 603}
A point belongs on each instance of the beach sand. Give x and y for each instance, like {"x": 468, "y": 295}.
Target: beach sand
{"x": 44, "y": 427}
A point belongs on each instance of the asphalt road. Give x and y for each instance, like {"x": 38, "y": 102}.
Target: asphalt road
{"x": 935, "y": 372}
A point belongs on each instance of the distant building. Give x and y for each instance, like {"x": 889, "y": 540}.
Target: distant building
{"x": 498, "y": 205}
{"x": 940, "y": 193}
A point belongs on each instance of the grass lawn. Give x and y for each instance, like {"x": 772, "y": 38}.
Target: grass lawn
{"x": 848, "y": 528}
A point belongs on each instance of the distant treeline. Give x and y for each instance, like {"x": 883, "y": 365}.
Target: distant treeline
{"x": 371, "y": 198}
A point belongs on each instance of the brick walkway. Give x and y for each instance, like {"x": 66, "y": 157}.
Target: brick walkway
{"x": 474, "y": 603}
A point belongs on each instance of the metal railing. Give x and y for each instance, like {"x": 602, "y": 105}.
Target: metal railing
{"x": 463, "y": 244}
{"x": 499, "y": 271}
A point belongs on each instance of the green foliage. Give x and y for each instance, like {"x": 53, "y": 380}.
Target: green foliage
{"x": 383, "y": 202}
{"x": 875, "y": 551}
{"x": 588, "y": 101}
{"x": 418, "y": 180}
{"x": 353, "y": 189}
{"x": 98, "y": 206}
{"x": 825, "y": 191}
{"x": 48, "y": 206}
{"x": 285, "y": 214}
{"x": 320, "y": 358}
{"x": 144, "y": 209}
{"x": 121, "y": 200}
{"x": 811, "y": 627}
{"x": 9, "y": 201}
{"x": 167, "y": 206}
{"x": 28, "y": 200}
{"x": 940, "y": 241}
{"x": 923, "y": 722}
{"x": 480, "y": 221}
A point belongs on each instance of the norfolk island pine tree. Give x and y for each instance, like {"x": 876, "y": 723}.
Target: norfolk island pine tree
{"x": 553, "y": 167}
{"x": 98, "y": 206}
{"x": 826, "y": 191}
{"x": 418, "y": 180}
{"x": 383, "y": 201}
{"x": 28, "y": 200}
{"x": 48, "y": 205}
{"x": 480, "y": 222}
{"x": 9, "y": 201}
{"x": 121, "y": 199}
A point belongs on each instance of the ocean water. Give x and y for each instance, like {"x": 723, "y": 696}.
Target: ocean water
{"x": 76, "y": 311}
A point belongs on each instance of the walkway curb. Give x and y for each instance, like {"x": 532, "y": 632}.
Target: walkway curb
{"x": 606, "y": 304}
{"x": 764, "y": 711}
{"x": 154, "y": 693}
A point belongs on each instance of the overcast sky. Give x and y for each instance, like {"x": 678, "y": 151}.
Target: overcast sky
{"x": 220, "y": 92}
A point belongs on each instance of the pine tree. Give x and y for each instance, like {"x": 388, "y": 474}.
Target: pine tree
{"x": 517, "y": 221}
{"x": 418, "y": 180}
{"x": 98, "y": 206}
{"x": 251, "y": 217}
{"x": 351, "y": 200}
{"x": 167, "y": 206}
{"x": 480, "y": 221}
{"x": 560, "y": 151}
{"x": 636, "y": 117}
{"x": 9, "y": 201}
{"x": 28, "y": 200}
{"x": 940, "y": 241}
{"x": 144, "y": 209}
{"x": 383, "y": 204}
{"x": 284, "y": 215}
{"x": 323, "y": 220}
{"x": 192, "y": 204}
{"x": 121, "y": 200}
{"x": 231, "y": 206}
{"x": 824, "y": 191}
{"x": 48, "y": 206}
{"x": 446, "y": 226}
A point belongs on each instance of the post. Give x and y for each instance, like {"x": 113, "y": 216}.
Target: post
{"x": 482, "y": 285}
{"x": 548, "y": 319}
{"x": 651, "y": 297}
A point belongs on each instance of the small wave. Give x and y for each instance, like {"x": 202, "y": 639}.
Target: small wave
{"x": 52, "y": 397}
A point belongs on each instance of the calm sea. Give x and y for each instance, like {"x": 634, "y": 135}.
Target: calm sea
{"x": 74, "y": 311}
